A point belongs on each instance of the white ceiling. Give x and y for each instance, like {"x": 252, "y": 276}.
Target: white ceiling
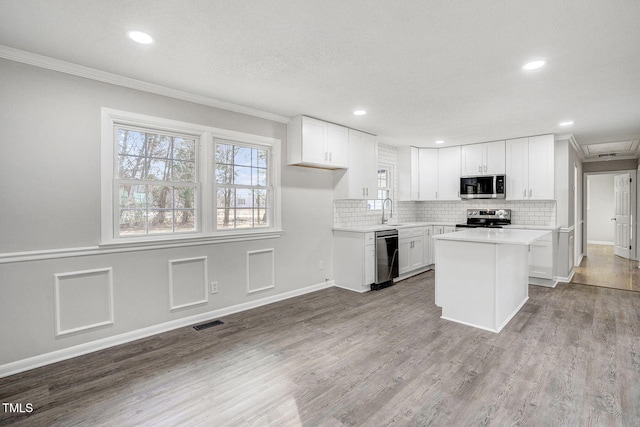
{"x": 424, "y": 70}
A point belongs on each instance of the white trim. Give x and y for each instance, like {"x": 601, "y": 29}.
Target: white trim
{"x": 273, "y": 271}
{"x": 118, "y": 80}
{"x": 79, "y": 350}
{"x": 567, "y": 279}
{"x": 58, "y": 322}
{"x": 133, "y": 246}
{"x": 600, "y": 242}
{"x": 206, "y": 280}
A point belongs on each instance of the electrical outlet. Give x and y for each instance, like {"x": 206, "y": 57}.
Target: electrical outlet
{"x": 214, "y": 287}
{"x": 321, "y": 265}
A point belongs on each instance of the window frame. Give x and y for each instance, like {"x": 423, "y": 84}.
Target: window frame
{"x": 205, "y": 220}
{"x": 390, "y": 187}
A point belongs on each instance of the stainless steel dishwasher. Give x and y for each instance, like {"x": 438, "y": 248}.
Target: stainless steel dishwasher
{"x": 386, "y": 258}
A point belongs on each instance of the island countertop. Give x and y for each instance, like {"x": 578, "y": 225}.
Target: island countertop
{"x": 494, "y": 235}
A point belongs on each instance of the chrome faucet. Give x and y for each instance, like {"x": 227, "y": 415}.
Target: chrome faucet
{"x": 385, "y": 220}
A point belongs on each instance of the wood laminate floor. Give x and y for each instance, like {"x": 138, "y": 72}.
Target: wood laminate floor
{"x": 570, "y": 357}
{"x": 600, "y": 267}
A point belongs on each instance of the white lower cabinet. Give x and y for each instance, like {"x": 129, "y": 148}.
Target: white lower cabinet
{"x": 354, "y": 260}
{"x": 410, "y": 249}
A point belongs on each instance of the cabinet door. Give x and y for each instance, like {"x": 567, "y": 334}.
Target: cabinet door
{"x": 472, "y": 159}
{"x": 495, "y": 158}
{"x": 437, "y": 229}
{"x": 541, "y": 167}
{"x": 449, "y": 173}
{"x": 427, "y": 245}
{"x": 404, "y": 255}
{"x": 517, "y": 169}
{"x": 428, "y": 174}
{"x": 337, "y": 146}
{"x": 417, "y": 253}
{"x": 407, "y": 172}
{"x": 541, "y": 259}
{"x": 314, "y": 136}
{"x": 369, "y": 264}
{"x": 359, "y": 181}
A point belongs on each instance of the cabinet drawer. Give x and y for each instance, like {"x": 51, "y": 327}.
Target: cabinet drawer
{"x": 404, "y": 233}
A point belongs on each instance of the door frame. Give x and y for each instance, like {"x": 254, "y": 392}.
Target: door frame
{"x": 633, "y": 254}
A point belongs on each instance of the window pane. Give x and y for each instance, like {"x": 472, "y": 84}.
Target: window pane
{"x": 244, "y": 218}
{"x": 183, "y": 171}
{"x": 131, "y": 142}
{"x": 185, "y": 220}
{"x": 160, "y": 197}
{"x": 184, "y": 197}
{"x": 133, "y": 222}
{"x": 158, "y": 146}
{"x": 243, "y": 156}
{"x": 133, "y": 196}
{"x": 130, "y": 167}
{"x": 242, "y": 175}
{"x": 160, "y": 221}
{"x": 260, "y": 158}
{"x": 224, "y": 154}
{"x": 159, "y": 170}
{"x": 225, "y": 198}
{"x": 225, "y": 218}
{"x": 260, "y": 177}
{"x": 184, "y": 149}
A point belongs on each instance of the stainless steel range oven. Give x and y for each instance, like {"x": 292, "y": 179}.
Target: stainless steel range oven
{"x": 488, "y": 218}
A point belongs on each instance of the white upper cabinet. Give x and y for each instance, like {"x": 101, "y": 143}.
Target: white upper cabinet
{"x": 449, "y": 173}
{"x": 313, "y": 142}
{"x": 360, "y": 180}
{"x": 483, "y": 159}
{"x": 428, "y": 174}
{"x": 408, "y": 173}
{"x": 530, "y": 168}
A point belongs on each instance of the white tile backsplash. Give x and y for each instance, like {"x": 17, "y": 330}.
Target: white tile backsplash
{"x": 353, "y": 213}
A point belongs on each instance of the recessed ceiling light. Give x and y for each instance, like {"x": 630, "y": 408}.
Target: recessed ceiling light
{"x": 567, "y": 123}
{"x": 440, "y": 142}
{"x": 534, "y": 65}
{"x": 140, "y": 37}
{"x": 359, "y": 112}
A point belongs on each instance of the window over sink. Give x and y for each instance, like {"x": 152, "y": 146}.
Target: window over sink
{"x": 385, "y": 188}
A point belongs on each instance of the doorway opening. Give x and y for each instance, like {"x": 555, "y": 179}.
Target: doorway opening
{"x": 609, "y": 226}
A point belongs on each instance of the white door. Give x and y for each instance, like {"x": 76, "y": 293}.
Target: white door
{"x": 622, "y": 214}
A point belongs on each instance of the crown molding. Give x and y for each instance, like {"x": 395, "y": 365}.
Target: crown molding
{"x": 573, "y": 143}
{"x": 49, "y": 63}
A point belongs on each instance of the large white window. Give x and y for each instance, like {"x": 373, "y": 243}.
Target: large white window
{"x": 243, "y": 193}
{"x": 385, "y": 188}
{"x": 166, "y": 180}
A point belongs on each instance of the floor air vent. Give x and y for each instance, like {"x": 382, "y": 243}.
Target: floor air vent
{"x": 208, "y": 325}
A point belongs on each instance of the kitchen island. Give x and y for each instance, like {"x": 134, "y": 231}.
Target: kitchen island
{"x": 482, "y": 275}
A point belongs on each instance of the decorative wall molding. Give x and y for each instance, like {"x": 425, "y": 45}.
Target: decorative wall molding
{"x": 188, "y": 283}
{"x": 260, "y": 270}
{"x": 79, "y": 308}
{"x": 13, "y": 257}
{"x": 118, "y": 80}
{"x": 101, "y": 344}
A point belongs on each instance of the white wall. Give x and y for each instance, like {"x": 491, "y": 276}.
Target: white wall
{"x": 600, "y": 208}
{"x": 50, "y": 187}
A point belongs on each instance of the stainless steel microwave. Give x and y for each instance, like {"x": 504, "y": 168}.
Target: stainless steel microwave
{"x": 482, "y": 187}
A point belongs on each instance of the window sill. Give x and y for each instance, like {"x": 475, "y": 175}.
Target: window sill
{"x": 140, "y": 245}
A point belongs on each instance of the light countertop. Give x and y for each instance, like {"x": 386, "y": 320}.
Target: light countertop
{"x": 379, "y": 227}
{"x": 495, "y": 235}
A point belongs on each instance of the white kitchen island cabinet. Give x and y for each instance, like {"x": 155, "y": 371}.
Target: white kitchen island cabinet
{"x": 482, "y": 275}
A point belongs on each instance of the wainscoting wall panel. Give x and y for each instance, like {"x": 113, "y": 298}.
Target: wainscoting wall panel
{"x": 83, "y": 300}
{"x": 187, "y": 282}
{"x": 260, "y": 270}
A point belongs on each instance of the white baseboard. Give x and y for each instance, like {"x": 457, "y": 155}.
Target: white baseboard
{"x": 90, "y": 347}
{"x": 599, "y": 242}
{"x": 566, "y": 279}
